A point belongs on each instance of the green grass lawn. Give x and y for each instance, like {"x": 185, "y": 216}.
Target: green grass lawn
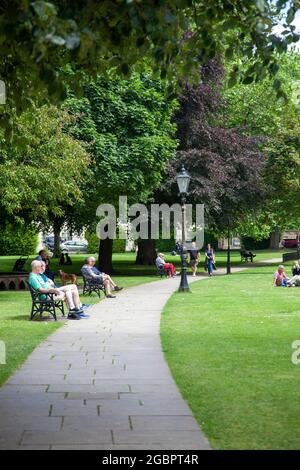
{"x": 229, "y": 348}
{"x": 22, "y": 336}
{"x": 124, "y": 262}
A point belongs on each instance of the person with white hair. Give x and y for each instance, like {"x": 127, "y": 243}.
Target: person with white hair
{"x": 91, "y": 273}
{"x": 42, "y": 286}
{"x": 168, "y": 267}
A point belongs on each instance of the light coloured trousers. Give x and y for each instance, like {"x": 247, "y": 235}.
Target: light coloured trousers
{"x": 70, "y": 294}
{"x": 295, "y": 280}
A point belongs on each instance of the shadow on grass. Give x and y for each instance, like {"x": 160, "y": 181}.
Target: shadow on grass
{"x": 19, "y": 317}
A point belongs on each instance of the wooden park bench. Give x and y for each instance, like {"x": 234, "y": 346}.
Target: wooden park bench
{"x": 48, "y": 305}
{"x": 90, "y": 286}
{"x": 293, "y": 256}
{"x": 161, "y": 272}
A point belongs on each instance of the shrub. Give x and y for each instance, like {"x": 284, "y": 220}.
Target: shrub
{"x": 251, "y": 244}
{"x": 165, "y": 246}
{"x": 18, "y": 240}
{"x": 93, "y": 241}
{"x": 119, "y": 245}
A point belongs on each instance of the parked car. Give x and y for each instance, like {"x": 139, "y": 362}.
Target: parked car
{"x": 291, "y": 243}
{"x": 49, "y": 242}
{"x": 74, "y": 246}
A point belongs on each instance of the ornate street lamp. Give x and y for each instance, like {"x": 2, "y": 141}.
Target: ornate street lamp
{"x": 183, "y": 181}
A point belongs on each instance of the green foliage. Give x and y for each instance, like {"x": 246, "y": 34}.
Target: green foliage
{"x": 173, "y": 36}
{"x": 126, "y": 125}
{"x": 255, "y": 107}
{"x": 165, "y": 246}
{"x": 93, "y": 241}
{"x": 252, "y": 244}
{"x": 283, "y": 170}
{"x": 18, "y": 240}
{"x": 256, "y": 110}
{"x": 41, "y": 167}
{"x": 119, "y": 245}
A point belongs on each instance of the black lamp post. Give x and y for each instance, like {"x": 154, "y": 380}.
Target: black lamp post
{"x": 229, "y": 220}
{"x": 183, "y": 181}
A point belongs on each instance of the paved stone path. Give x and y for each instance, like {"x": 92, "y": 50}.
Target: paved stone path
{"x": 101, "y": 383}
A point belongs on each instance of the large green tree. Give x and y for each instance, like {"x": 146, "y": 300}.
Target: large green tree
{"x": 256, "y": 110}
{"x": 127, "y": 127}
{"x": 41, "y": 168}
{"x": 226, "y": 167}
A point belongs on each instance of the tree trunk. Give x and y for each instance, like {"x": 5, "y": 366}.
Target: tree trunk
{"x": 56, "y": 229}
{"x": 275, "y": 239}
{"x": 146, "y": 254}
{"x": 105, "y": 256}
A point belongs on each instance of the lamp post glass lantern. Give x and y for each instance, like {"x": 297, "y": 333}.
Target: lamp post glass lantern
{"x": 183, "y": 181}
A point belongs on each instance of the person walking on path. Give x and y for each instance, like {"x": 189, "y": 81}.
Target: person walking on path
{"x": 194, "y": 255}
{"x": 210, "y": 259}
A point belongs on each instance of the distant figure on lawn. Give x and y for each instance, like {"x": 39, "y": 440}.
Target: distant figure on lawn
{"x": 91, "y": 273}
{"x": 168, "y": 267}
{"x": 194, "y": 258}
{"x": 295, "y": 280}
{"x": 44, "y": 256}
{"x": 210, "y": 259}
{"x": 296, "y": 269}
{"x": 280, "y": 279}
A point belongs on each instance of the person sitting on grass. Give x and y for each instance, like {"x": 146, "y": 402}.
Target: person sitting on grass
{"x": 91, "y": 273}
{"x": 39, "y": 284}
{"x": 280, "y": 278}
{"x": 296, "y": 269}
{"x": 168, "y": 267}
{"x": 295, "y": 280}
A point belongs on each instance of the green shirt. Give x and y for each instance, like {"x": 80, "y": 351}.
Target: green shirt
{"x": 36, "y": 281}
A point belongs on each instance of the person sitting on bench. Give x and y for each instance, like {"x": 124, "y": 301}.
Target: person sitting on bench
{"x": 91, "y": 273}
{"x": 44, "y": 287}
{"x": 168, "y": 267}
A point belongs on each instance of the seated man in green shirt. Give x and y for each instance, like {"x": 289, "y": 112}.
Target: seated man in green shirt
{"x": 39, "y": 284}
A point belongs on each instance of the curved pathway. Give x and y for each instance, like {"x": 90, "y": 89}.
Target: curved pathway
{"x": 101, "y": 383}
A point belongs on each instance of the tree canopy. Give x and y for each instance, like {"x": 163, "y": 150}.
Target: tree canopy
{"x": 172, "y": 36}
{"x": 256, "y": 110}
{"x": 226, "y": 167}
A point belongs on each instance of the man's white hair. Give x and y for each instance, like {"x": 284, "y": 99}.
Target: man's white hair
{"x": 91, "y": 258}
{"x": 35, "y": 263}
